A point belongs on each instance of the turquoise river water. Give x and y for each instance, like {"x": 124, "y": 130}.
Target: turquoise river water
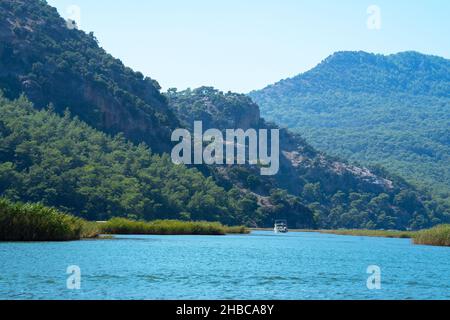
{"x": 258, "y": 266}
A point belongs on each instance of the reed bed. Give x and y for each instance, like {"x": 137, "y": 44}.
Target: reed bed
{"x": 437, "y": 236}
{"x": 167, "y": 227}
{"x": 90, "y": 230}
{"x": 373, "y": 233}
{"x": 35, "y": 222}
{"x": 237, "y": 230}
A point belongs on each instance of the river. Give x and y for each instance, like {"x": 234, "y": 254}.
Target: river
{"x": 261, "y": 265}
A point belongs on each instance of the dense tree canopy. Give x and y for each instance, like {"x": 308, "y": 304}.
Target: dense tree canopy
{"x": 51, "y": 63}
{"x": 373, "y": 109}
{"x": 79, "y": 145}
{"x": 339, "y": 195}
{"x": 64, "y": 163}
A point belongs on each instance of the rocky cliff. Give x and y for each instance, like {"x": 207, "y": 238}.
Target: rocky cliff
{"x": 53, "y": 64}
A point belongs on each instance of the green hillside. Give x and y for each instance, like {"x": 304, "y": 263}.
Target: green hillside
{"x": 339, "y": 194}
{"x": 64, "y": 163}
{"x": 95, "y": 136}
{"x": 373, "y": 109}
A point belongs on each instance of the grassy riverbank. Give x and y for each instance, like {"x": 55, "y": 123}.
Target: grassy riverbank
{"x": 437, "y": 236}
{"x": 373, "y": 233}
{"x": 168, "y": 227}
{"x": 35, "y": 222}
{"x": 355, "y": 232}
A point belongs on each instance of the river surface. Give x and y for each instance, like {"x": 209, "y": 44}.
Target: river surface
{"x": 261, "y": 265}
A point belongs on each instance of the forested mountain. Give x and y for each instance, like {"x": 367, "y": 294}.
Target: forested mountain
{"x": 373, "y": 109}
{"x": 339, "y": 194}
{"x": 60, "y": 148}
{"x": 64, "y": 163}
{"x": 51, "y": 63}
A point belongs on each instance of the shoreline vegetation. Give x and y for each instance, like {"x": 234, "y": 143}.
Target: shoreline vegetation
{"x": 35, "y": 222}
{"x": 168, "y": 227}
{"x": 436, "y": 236}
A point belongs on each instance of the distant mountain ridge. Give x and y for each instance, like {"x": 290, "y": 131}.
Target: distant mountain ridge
{"x": 374, "y": 109}
{"x": 408, "y": 72}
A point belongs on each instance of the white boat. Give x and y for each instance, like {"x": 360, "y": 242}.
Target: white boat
{"x": 280, "y": 226}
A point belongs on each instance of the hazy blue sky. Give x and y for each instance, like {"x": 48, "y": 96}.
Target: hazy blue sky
{"x": 241, "y": 45}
